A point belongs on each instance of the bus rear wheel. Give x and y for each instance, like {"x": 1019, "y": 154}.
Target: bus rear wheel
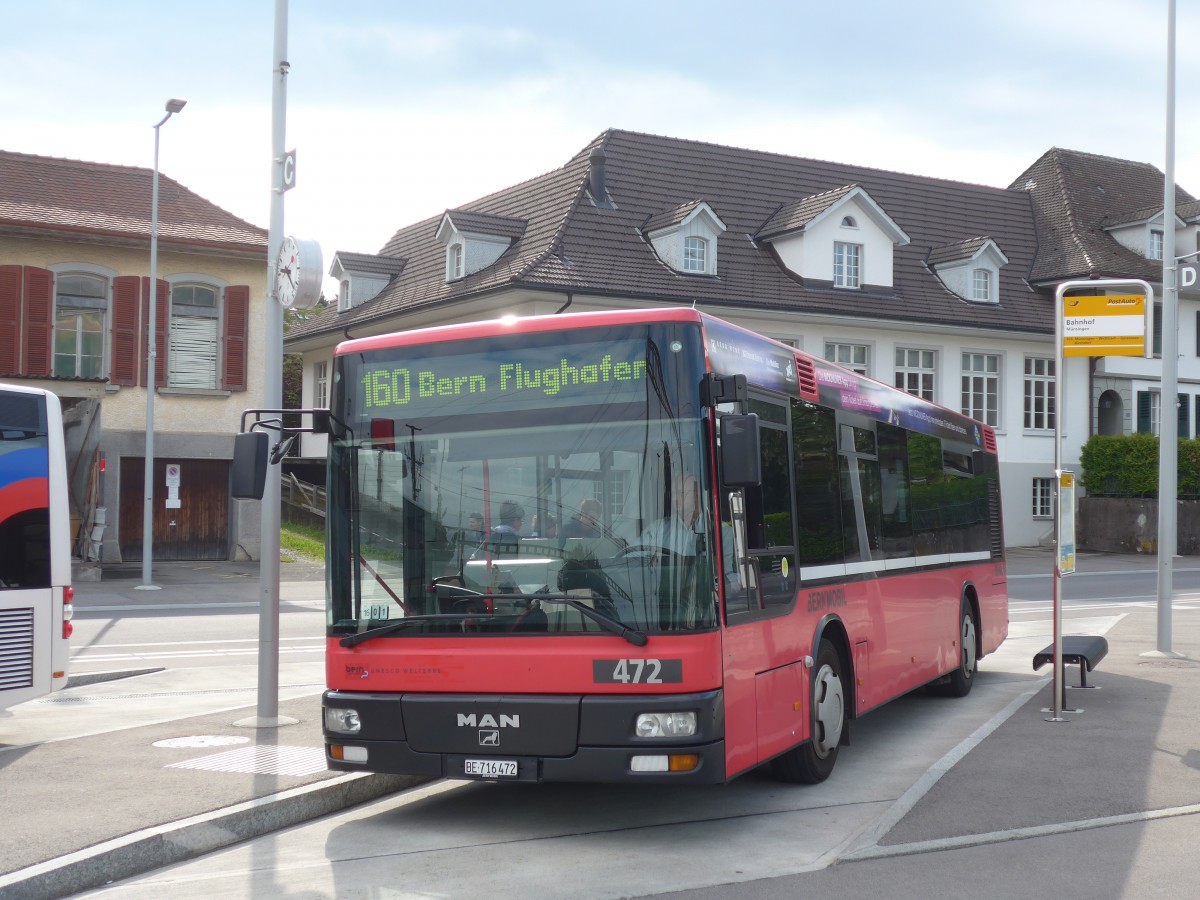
{"x": 958, "y": 683}
{"x": 813, "y": 761}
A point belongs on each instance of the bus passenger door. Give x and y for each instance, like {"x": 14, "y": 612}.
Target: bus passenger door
{"x": 765, "y": 686}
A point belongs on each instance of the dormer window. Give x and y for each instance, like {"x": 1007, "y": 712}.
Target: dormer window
{"x": 1155, "y": 248}
{"x": 847, "y": 264}
{"x": 970, "y": 269}
{"x": 475, "y": 240}
{"x": 454, "y": 262}
{"x": 981, "y": 285}
{"x": 840, "y": 237}
{"x": 362, "y": 276}
{"x": 685, "y": 238}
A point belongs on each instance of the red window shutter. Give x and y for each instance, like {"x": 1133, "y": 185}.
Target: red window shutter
{"x": 162, "y": 322}
{"x": 10, "y": 318}
{"x": 237, "y": 325}
{"x": 38, "y": 305}
{"x": 126, "y": 313}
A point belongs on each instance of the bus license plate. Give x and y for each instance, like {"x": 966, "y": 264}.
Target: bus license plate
{"x": 491, "y": 768}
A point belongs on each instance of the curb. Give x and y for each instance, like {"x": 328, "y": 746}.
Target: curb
{"x": 164, "y": 845}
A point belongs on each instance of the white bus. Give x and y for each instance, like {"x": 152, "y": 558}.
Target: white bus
{"x": 35, "y": 546}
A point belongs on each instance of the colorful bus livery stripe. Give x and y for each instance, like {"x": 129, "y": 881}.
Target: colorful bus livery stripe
{"x": 24, "y": 480}
{"x": 581, "y": 378}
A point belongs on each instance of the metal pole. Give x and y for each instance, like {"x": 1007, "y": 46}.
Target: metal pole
{"x": 1060, "y": 380}
{"x": 268, "y": 567}
{"x": 151, "y": 361}
{"x": 1168, "y": 431}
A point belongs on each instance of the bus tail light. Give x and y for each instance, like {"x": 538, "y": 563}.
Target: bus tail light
{"x": 68, "y": 611}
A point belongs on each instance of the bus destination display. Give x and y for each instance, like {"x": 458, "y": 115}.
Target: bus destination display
{"x": 578, "y": 374}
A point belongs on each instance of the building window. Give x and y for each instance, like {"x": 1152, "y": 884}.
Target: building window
{"x": 320, "y": 385}
{"x": 981, "y": 387}
{"x": 1043, "y": 498}
{"x": 1039, "y": 393}
{"x": 852, "y": 356}
{"x": 915, "y": 372}
{"x": 1155, "y": 249}
{"x": 1148, "y": 412}
{"x": 344, "y": 295}
{"x": 454, "y": 262}
{"x": 695, "y": 255}
{"x": 195, "y": 317}
{"x": 848, "y": 222}
{"x": 847, "y": 262}
{"x": 981, "y": 286}
{"x": 80, "y": 302}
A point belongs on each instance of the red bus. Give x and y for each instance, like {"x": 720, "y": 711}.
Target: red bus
{"x": 640, "y": 546}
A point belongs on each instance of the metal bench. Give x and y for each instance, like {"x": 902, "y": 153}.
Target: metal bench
{"x": 1083, "y": 650}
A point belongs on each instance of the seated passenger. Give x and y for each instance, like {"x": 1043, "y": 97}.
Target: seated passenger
{"x": 508, "y": 532}
{"x": 584, "y": 525}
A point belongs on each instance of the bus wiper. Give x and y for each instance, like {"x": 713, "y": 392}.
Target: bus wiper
{"x": 352, "y": 640}
{"x": 633, "y": 635}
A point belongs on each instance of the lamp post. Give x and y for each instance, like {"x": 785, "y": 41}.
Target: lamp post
{"x": 173, "y": 106}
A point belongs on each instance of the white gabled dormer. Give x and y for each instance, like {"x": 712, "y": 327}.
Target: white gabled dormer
{"x": 361, "y": 276}
{"x": 685, "y": 238}
{"x": 970, "y": 269}
{"x": 840, "y": 236}
{"x": 1142, "y": 232}
{"x": 475, "y": 240}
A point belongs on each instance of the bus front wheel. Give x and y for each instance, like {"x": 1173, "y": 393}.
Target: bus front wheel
{"x": 813, "y": 761}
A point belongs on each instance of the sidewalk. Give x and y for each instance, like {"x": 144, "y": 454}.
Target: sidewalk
{"x": 111, "y": 805}
{"x": 130, "y": 799}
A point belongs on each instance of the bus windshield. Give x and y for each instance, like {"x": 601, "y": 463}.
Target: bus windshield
{"x": 532, "y": 484}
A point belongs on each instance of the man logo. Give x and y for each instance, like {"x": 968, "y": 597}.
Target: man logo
{"x": 487, "y": 720}
{"x": 489, "y": 738}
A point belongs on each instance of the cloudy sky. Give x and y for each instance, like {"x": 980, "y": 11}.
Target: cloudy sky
{"x": 400, "y": 110}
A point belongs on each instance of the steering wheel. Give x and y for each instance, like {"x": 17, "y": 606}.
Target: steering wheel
{"x": 666, "y": 553}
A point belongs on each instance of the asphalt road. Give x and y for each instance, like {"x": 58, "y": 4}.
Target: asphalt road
{"x": 756, "y": 838}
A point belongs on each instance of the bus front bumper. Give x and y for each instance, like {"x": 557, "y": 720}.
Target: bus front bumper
{"x": 524, "y": 738}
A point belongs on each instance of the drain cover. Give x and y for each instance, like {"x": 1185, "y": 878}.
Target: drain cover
{"x": 203, "y": 740}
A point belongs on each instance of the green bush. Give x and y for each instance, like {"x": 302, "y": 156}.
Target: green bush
{"x": 1127, "y": 466}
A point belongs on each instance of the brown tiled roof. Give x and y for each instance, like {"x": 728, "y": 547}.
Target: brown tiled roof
{"x": 50, "y": 194}
{"x": 369, "y": 264}
{"x": 670, "y": 217}
{"x": 794, "y": 216}
{"x": 939, "y": 256}
{"x": 479, "y": 223}
{"x": 1075, "y": 195}
{"x": 571, "y": 245}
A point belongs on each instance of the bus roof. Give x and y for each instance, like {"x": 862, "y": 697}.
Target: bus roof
{"x": 517, "y": 325}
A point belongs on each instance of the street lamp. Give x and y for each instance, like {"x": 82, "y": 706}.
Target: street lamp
{"x": 173, "y": 106}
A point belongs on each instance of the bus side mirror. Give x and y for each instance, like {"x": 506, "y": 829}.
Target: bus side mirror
{"x": 249, "y": 465}
{"x": 320, "y": 422}
{"x": 741, "y": 464}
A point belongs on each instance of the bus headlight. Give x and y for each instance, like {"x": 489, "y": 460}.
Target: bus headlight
{"x": 342, "y": 721}
{"x": 665, "y": 725}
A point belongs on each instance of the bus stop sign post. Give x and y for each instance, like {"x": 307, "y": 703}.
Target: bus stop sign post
{"x": 1087, "y": 325}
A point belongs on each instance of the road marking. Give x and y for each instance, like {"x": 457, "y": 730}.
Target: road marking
{"x": 84, "y": 607}
{"x": 183, "y": 654}
{"x": 1016, "y": 834}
